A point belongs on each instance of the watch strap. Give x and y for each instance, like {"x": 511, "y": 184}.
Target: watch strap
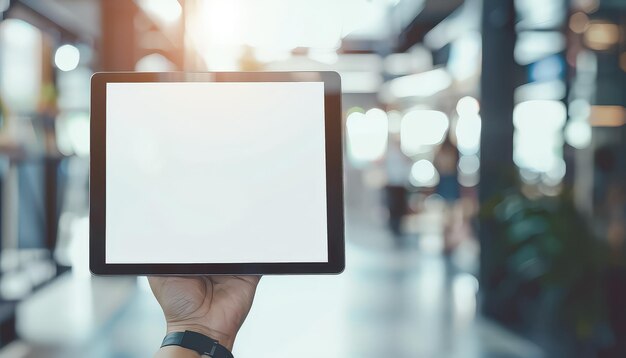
{"x": 205, "y": 346}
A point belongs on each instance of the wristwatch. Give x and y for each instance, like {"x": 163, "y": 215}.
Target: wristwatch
{"x": 205, "y": 346}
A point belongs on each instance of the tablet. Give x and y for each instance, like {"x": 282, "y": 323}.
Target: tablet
{"x": 216, "y": 173}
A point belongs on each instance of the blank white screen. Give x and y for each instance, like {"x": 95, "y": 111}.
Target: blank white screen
{"x": 215, "y": 172}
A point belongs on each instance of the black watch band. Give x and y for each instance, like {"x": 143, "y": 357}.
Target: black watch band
{"x": 205, "y": 346}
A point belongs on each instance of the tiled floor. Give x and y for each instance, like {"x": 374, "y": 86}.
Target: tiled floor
{"x": 388, "y": 303}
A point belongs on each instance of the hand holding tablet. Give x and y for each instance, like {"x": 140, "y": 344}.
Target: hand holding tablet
{"x": 216, "y": 173}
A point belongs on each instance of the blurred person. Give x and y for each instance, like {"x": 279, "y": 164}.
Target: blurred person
{"x": 610, "y": 200}
{"x": 616, "y": 216}
{"x": 47, "y": 111}
{"x": 446, "y": 161}
{"x": 211, "y": 306}
{"x": 604, "y": 171}
{"x": 397, "y": 168}
{"x": 9, "y": 144}
{"x": 614, "y": 210}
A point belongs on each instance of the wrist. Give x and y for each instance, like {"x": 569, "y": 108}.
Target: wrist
{"x": 175, "y": 351}
{"x": 225, "y": 339}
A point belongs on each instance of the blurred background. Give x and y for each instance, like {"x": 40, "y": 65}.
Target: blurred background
{"x": 485, "y": 173}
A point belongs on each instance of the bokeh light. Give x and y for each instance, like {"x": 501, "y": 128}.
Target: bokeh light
{"x": 538, "y": 140}
{"x": 467, "y": 106}
{"x": 167, "y": 11}
{"x": 367, "y": 135}
{"x": 578, "y": 134}
{"x": 67, "y": 57}
{"x": 421, "y": 129}
{"x": 424, "y": 174}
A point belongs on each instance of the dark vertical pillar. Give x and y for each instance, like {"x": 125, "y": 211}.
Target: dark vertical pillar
{"x": 118, "y": 50}
{"x": 497, "y": 170}
{"x": 51, "y": 204}
{"x": 621, "y": 76}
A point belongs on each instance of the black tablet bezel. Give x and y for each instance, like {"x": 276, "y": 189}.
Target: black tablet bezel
{"x": 334, "y": 176}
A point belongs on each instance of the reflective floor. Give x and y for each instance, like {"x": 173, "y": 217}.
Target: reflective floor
{"x": 388, "y": 303}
